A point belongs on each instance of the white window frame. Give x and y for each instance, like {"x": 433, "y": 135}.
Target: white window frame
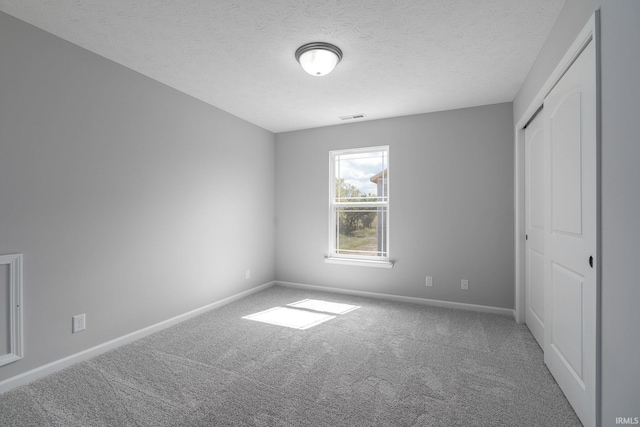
{"x": 351, "y": 259}
{"x": 13, "y": 308}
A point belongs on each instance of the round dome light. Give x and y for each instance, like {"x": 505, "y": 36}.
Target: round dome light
{"x": 318, "y": 59}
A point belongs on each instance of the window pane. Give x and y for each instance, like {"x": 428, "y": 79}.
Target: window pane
{"x": 361, "y": 176}
{"x": 361, "y": 231}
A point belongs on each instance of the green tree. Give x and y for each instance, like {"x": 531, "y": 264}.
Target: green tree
{"x": 352, "y": 219}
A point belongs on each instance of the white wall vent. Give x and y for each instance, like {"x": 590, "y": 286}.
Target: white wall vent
{"x": 353, "y": 116}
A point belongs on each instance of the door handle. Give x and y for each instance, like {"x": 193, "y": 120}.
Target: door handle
{"x": 591, "y": 261}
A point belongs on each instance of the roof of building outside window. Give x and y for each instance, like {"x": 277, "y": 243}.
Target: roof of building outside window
{"x": 377, "y": 176}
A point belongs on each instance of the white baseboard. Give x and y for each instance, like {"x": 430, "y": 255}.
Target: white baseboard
{"x": 50, "y": 368}
{"x": 413, "y": 300}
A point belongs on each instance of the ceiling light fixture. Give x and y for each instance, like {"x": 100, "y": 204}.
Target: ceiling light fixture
{"x": 318, "y": 58}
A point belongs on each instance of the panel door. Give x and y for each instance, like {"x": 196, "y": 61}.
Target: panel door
{"x": 534, "y": 224}
{"x": 570, "y": 244}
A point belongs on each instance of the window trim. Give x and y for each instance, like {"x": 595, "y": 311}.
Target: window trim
{"x": 359, "y": 262}
{"x": 14, "y": 308}
{"x": 350, "y": 259}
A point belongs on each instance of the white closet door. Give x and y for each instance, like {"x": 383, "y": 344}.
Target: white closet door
{"x": 534, "y": 220}
{"x": 570, "y": 243}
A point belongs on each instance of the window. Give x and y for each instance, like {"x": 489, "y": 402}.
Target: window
{"x": 359, "y": 206}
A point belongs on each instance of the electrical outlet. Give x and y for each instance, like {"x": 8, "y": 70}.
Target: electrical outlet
{"x": 429, "y": 281}
{"x": 465, "y": 284}
{"x": 247, "y": 274}
{"x": 79, "y": 323}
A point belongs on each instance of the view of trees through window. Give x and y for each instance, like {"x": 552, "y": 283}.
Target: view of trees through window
{"x": 357, "y": 226}
{"x": 360, "y": 202}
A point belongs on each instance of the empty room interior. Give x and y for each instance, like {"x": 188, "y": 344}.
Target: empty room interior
{"x": 319, "y": 213}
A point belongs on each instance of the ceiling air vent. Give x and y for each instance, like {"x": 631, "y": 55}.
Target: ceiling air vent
{"x": 353, "y": 116}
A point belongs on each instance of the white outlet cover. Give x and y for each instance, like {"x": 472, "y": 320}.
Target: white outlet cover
{"x": 429, "y": 281}
{"x": 79, "y": 323}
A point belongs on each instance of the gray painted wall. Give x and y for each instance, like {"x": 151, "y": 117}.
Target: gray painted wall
{"x": 131, "y": 202}
{"x": 451, "y": 214}
{"x": 620, "y": 187}
{"x": 620, "y": 209}
{"x": 570, "y": 22}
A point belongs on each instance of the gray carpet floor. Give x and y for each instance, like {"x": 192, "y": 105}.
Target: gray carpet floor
{"x": 385, "y": 364}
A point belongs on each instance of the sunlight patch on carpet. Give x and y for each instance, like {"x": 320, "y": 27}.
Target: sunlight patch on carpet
{"x": 324, "y": 306}
{"x": 290, "y": 317}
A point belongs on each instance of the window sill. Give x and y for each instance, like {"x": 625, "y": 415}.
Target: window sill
{"x": 359, "y": 262}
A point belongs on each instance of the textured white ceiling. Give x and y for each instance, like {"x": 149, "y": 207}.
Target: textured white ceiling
{"x": 400, "y": 56}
